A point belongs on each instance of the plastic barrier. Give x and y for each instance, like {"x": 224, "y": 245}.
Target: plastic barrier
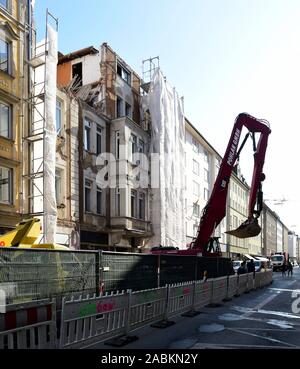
{"x": 147, "y": 306}
{"x": 232, "y": 286}
{"x": 180, "y": 298}
{"x": 257, "y": 282}
{"x": 89, "y": 320}
{"x": 29, "y": 326}
{"x": 242, "y": 284}
{"x": 219, "y": 289}
{"x": 250, "y": 283}
{"x": 86, "y": 321}
{"x": 203, "y": 293}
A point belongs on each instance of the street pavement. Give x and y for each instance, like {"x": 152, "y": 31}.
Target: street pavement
{"x": 264, "y": 318}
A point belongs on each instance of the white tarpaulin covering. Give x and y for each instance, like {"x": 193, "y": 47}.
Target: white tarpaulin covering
{"x": 50, "y": 210}
{"x": 167, "y": 139}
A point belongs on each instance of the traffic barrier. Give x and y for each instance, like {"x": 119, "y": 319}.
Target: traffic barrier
{"x": 250, "y": 282}
{"x": 180, "y": 298}
{"x": 86, "y": 321}
{"x": 147, "y": 306}
{"x": 203, "y": 292}
{"x": 232, "y": 286}
{"x": 219, "y": 290}
{"x": 257, "y": 281}
{"x": 32, "y": 326}
{"x": 242, "y": 284}
{"x": 89, "y": 320}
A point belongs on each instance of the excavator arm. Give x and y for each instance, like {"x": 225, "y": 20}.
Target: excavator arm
{"x": 215, "y": 209}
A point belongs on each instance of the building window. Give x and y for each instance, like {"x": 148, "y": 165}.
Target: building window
{"x": 5, "y": 60}
{"x": 5, "y": 120}
{"x": 6, "y": 185}
{"x": 99, "y": 200}
{"x": 58, "y": 186}
{"x": 87, "y": 135}
{"x": 196, "y": 189}
{"x": 118, "y": 145}
{"x": 99, "y": 140}
{"x": 205, "y": 194}
{"x": 118, "y": 202}
{"x": 195, "y": 146}
{"x": 196, "y": 167}
{"x": 77, "y": 74}
{"x": 133, "y": 144}
{"x": 133, "y": 203}
{"x": 206, "y": 175}
{"x": 87, "y": 195}
{"x": 3, "y": 3}
{"x": 123, "y": 73}
{"x": 196, "y": 209}
{"x": 119, "y": 107}
{"x": 195, "y": 230}
{"x": 58, "y": 116}
{"x": 142, "y": 206}
{"x": 205, "y": 153}
{"x": 128, "y": 110}
{"x": 141, "y": 148}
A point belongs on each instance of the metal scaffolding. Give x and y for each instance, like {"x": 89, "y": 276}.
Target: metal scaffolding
{"x": 34, "y": 131}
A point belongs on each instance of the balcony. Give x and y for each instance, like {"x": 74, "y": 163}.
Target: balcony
{"x": 136, "y": 227}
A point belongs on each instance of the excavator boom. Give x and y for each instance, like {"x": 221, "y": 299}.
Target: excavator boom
{"x": 215, "y": 209}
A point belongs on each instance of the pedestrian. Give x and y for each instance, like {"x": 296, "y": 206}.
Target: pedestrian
{"x": 290, "y": 269}
{"x": 283, "y": 269}
{"x": 251, "y": 267}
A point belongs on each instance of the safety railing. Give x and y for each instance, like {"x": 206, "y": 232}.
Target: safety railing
{"x": 29, "y": 326}
{"x": 87, "y": 321}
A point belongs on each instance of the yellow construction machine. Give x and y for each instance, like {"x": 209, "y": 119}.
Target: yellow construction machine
{"x": 26, "y": 235}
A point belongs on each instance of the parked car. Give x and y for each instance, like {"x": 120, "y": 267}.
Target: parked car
{"x": 236, "y": 264}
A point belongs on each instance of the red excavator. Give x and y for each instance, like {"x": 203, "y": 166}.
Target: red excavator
{"x": 215, "y": 209}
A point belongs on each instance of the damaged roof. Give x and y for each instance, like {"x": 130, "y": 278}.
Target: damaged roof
{"x": 76, "y": 54}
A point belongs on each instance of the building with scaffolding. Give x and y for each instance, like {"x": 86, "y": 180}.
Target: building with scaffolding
{"x": 13, "y": 76}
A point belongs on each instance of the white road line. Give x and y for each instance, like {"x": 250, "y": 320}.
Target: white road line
{"x": 283, "y": 290}
{"x": 261, "y": 337}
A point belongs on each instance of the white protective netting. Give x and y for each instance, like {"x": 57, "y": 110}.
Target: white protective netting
{"x": 167, "y": 139}
{"x": 50, "y": 209}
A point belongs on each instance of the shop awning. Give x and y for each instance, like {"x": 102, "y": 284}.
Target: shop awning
{"x": 249, "y": 257}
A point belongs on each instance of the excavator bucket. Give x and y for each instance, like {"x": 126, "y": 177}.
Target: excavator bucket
{"x": 250, "y": 228}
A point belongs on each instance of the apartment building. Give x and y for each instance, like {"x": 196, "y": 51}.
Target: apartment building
{"x": 13, "y": 48}
{"x": 285, "y": 237}
{"x": 202, "y": 164}
{"x": 270, "y": 231}
{"x": 292, "y": 240}
{"x": 279, "y": 227}
{"x": 114, "y": 208}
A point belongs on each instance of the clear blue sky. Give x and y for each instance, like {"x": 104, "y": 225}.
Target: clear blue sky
{"x": 223, "y": 56}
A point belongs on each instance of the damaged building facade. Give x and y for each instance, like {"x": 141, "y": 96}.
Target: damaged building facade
{"x": 113, "y": 210}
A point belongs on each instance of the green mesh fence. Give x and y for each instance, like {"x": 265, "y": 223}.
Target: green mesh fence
{"x": 121, "y": 271}
{"x": 27, "y": 275}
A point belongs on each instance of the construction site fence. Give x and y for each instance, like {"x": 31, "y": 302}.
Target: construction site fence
{"x": 113, "y": 317}
{"x": 32, "y": 274}
{"x": 122, "y": 271}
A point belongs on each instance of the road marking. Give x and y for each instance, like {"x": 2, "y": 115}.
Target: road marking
{"x": 283, "y": 290}
{"x": 261, "y": 337}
